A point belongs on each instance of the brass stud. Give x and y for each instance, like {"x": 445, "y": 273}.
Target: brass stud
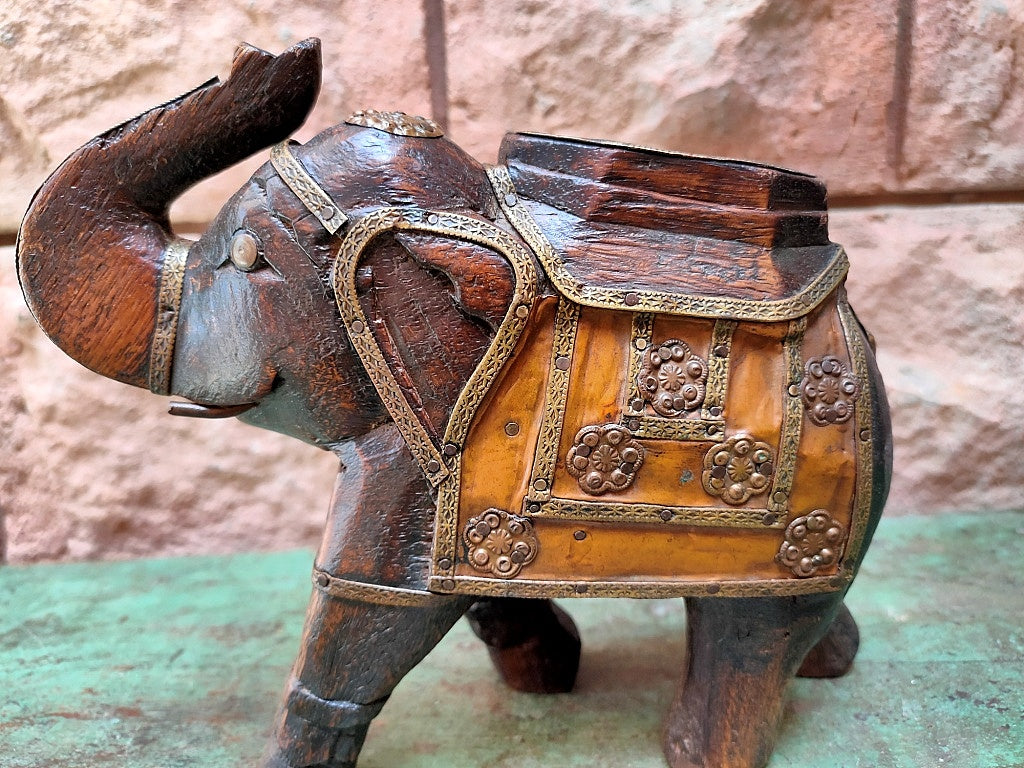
{"x": 358, "y": 327}
{"x": 665, "y": 514}
{"x": 450, "y": 449}
{"x": 715, "y": 410}
{"x": 631, "y": 299}
{"x": 323, "y": 579}
{"x": 580, "y": 535}
{"x": 327, "y": 212}
{"x": 865, "y": 434}
{"x": 444, "y": 563}
{"x": 637, "y": 404}
{"x": 433, "y": 218}
{"x": 533, "y": 509}
{"x": 511, "y": 200}
{"x": 713, "y": 589}
{"x": 769, "y": 519}
{"x": 780, "y": 497}
{"x": 794, "y": 390}
{"x": 712, "y": 429}
{"x": 433, "y": 466}
{"x": 448, "y": 585}
{"x": 580, "y": 589}
{"x": 512, "y": 429}
{"x": 540, "y": 484}
{"x": 641, "y": 343}
{"x": 522, "y": 310}
{"x": 562, "y": 363}
{"x": 721, "y": 351}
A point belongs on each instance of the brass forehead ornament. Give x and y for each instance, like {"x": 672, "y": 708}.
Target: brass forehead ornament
{"x": 397, "y": 123}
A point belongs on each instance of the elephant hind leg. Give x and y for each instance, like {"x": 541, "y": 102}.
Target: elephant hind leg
{"x": 834, "y": 653}
{"x": 742, "y": 653}
{"x": 353, "y": 655}
{"x": 533, "y": 644}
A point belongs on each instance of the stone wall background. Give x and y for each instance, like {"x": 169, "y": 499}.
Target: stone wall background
{"x": 913, "y": 113}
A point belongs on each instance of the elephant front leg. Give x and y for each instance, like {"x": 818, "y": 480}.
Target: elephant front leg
{"x": 533, "y": 644}
{"x": 742, "y": 652}
{"x": 353, "y": 655}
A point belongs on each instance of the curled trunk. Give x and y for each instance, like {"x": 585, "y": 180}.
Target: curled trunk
{"x": 94, "y": 240}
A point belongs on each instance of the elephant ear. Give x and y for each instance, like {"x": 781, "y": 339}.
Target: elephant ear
{"x": 434, "y": 305}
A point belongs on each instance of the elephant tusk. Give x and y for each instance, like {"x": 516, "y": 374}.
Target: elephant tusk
{"x": 200, "y": 411}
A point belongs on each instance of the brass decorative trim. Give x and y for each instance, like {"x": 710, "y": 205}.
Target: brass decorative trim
{"x": 470, "y": 229}
{"x": 361, "y": 592}
{"x": 305, "y": 187}
{"x": 613, "y": 512}
{"x": 792, "y": 419}
{"x": 864, "y": 409}
{"x": 719, "y": 358}
{"x": 471, "y": 585}
{"x": 545, "y": 457}
{"x": 640, "y": 336}
{"x": 397, "y": 123}
{"x": 659, "y": 428}
{"x": 658, "y": 301}
{"x": 168, "y": 306}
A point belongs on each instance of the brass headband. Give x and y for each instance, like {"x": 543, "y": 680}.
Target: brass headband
{"x": 168, "y": 303}
{"x": 312, "y": 195}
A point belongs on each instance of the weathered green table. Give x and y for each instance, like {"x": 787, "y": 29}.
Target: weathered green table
{"x": 159, "y": 664}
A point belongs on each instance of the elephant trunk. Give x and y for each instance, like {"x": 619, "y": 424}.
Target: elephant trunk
{"x": 93, "y": 244}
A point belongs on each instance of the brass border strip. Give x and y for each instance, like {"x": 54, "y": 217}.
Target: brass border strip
{"x": 658, "y": 301}
{"x": 545, "y": 458}
{"x": 792, "y": 419}
{"x": 640, "y": 338}
{"x": 361, "y": 592}
{"x": 718, "y": 368}
{"x": 471, "y": 585}
{"x": 660, "y": 428}
{"x": 599, "y": 511}
{"x": 864, "y": 409}
{"x": 168, "y": 306}
{"x": 356, "y": 323}
{"x": 304, "y": 187}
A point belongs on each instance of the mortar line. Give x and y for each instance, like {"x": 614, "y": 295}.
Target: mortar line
{"x": 896, "y": 111}
{"x": 437, "y": 59}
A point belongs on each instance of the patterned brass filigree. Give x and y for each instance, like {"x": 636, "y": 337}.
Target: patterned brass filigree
{"x": 397, "y": 123}
{"x": 829, "y": 390}
{"x": 604, "y": 458}
{"x": 672, "y": 379}
{"x": 812, "y": 542}
{"x": 738, "y": 469}
{"x": 161, "y": 351}
{"x": 500, "y": 543}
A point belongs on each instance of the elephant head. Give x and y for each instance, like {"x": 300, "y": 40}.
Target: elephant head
{"x": 243, "y": 320}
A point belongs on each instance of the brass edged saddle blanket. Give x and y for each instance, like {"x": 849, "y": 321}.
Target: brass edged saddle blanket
{"x": 685, "y": 414}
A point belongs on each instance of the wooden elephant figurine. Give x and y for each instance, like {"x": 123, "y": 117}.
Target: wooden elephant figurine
{"x": 589, "y": 370}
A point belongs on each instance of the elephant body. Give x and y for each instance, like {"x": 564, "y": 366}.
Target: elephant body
{"x": 590, "y": 370}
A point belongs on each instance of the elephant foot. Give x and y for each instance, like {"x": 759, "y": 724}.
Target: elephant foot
{"x": 833, "y": 655}
{"x": 533, "y": 644}
{"x": 742, "y": 654}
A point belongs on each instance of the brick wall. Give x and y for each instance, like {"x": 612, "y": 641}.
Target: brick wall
{"x": 913, "y": 114}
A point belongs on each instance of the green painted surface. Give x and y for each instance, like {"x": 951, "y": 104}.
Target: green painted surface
{"x": 160, "y": 664}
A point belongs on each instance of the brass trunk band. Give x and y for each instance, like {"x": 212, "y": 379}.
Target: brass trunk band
{"x": 161, "y": 351}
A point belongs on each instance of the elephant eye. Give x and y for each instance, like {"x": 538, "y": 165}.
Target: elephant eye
{"x": 245, "y": 251}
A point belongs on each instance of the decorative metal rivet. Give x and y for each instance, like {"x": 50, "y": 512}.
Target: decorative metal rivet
{"x": 794, "y": 390}
{"x": 580, "y": 589}
{"x": 633, "y": 424}
{"x": 444, "y": 563}
{"x": 323, "y": 579}
{"x": 327, "y": 212}
{"x": 500, "y": 543}
{"x": 448, "y": 585}
{"x": 450, "y": 449}
{"x": 433, "y": 218}
{"x": 511, "y": 200}
{"x": 641, "y": 343}
{"x": 358, "y": 327}
{"x": 769, "y": 519}
{"x": 540, "y": 484}
{"x": 829, "y": 390}
{"x": 433, "y": 466}
{"x": 865, "y": 434}
{"x": 604, "y": 458}
{"x": 562, "y": 363}
{"x": 512, "y": 429}
{"x": 580, "y": 535}
{"x": 672, "y": 379}
{"x": 665, "y": 514}
{"x": 713, "y": 589}
{"x": 636, "y": 404}
{"x": 533, "y": 509}
{"x": 780, "y": 497}
{"x": 712, "y": 429}
{"x": 631, "y": 299}
{"x": 244, "y": 251}
{"x": 812, "y": 542}
{"x": 737, "y": 469}
{"x": 715, "y": 411}
{"x": 722, "y": 350}
{"x": 522, "y": 310}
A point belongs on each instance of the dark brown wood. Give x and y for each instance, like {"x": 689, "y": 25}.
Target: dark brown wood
{"x": 833, "y": 655}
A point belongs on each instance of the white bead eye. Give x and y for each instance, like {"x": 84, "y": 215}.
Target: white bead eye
{"x": 245, "y": 251}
